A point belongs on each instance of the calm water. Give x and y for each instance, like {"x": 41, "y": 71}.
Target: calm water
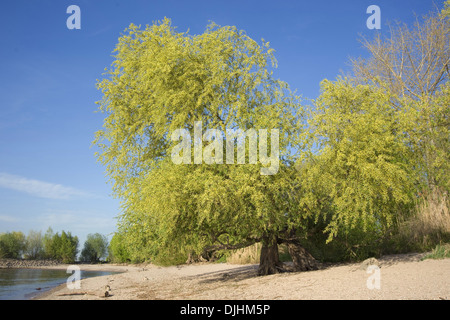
{"x": 22, "y": 284}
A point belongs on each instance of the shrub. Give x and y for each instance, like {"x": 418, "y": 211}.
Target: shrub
{"x": 62, "y": 247}
{"x": 117, "y": 250}
{"x": 34, "y": 245}
{"x": 95, "y": 248}
{"x": 439, "y": 252}
{"x": 428, "y": 226}
{"x": 12, "y": 245}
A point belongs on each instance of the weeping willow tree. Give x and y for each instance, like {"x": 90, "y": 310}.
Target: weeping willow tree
{"x": 162, "y": 82}
{"x": 358, "y": 175}
{"x": 379, "y": 139}
{"x": 414, "y": 63}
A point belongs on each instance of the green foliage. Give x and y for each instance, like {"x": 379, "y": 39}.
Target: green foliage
{"x": 428, "y": 225}
{"x": 48, "y": 236}
{"x": 412, "y": 64}
{"x": 430, "y": 137}
{"x": 95, "y": 248}
{"x": 163, "y": 80}
{"x": 34, "y": 245}
{"x": 441, "y": 251}
{"x": 379, "y": 147}
{"x": 348, "y": 186}
{"x": 62, "y": 247}
{"x": 12, "y": 245}
{"x": 425, "y": 123}
{"x": 117, "y": 249}
{"x": 360, "y": 178}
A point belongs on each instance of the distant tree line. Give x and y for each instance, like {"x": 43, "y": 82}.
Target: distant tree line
{"x": 57, "y": 246}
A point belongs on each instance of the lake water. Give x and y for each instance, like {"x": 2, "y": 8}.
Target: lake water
{"x": 23, "y": 284}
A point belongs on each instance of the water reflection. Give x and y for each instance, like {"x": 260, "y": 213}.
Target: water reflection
{"x": 23, "y": 284}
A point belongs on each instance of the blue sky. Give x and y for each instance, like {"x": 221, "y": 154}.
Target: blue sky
{"x": 48, "y": 173}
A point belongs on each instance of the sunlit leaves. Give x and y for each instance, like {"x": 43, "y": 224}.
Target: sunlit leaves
{"x": 163, "y": 80}
{"x": 359, "y": 175}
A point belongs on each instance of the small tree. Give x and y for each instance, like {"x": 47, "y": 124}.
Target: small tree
{"x": 48, "y": 243}
{"x": 118, "y": 251}
{"x": 34, "y": 245}
{"x": 414, "y": 63}
{"x": 12, "y": 245}
{"x": 68, "y": 247}
{"x": 361, "y": 177}
{"x": 62, "y": 247}
{"x": 95, "y": 248}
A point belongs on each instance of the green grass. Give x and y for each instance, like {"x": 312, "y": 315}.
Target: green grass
{"x": 441, "y": 251}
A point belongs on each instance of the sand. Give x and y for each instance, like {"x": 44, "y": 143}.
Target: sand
{"x": 398, "y": 277}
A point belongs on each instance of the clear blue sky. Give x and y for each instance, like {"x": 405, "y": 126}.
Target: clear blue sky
{"x": 48, "y": 173}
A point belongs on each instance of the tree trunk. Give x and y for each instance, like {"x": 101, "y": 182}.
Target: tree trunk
{"x": 269, "y": 262}
{"x": 303, "y": 260}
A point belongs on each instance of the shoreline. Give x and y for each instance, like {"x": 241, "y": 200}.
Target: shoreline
{"x": 53, "y": 264}
{"x": 17, "y": 264}
{"x": 116, "y": 268}
{"x": 27, "y": 264}
{"x": 402, "y": 277}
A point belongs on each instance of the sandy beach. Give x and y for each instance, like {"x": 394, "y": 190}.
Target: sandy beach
{"x": 398, "y": 276}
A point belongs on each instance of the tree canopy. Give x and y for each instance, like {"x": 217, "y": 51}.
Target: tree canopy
{"x": 162, "y": 81}
{"x": 62, "y": 247}
{"x": 352, "y": 167}
{"x": 361, "y": 174}
{"x": 95, "y": 248}
{"x": 12, "y": 244}
{"x": 379, "y": 139}
{"x": 413, "y": 62}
